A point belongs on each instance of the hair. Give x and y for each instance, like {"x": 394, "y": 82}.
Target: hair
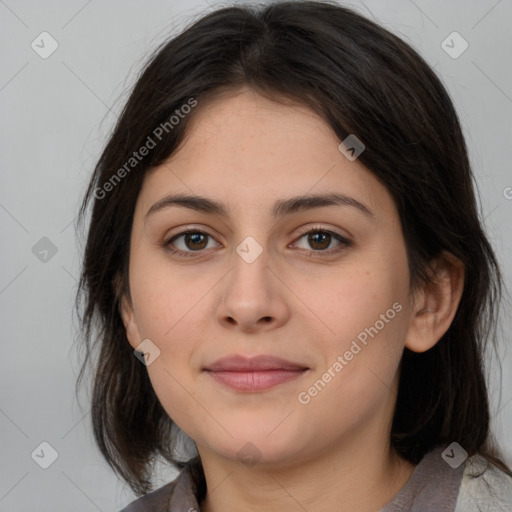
{"x": 363, "y": 80}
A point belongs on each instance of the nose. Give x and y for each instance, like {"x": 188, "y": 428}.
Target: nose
{"x": 253, "y": 297}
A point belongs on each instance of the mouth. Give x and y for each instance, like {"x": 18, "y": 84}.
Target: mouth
{"x": 254, "y": 374}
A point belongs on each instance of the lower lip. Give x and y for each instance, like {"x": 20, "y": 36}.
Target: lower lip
{"x": 256, "y": 380}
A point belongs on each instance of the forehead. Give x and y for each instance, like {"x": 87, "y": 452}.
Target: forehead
{"x": 245, "y": 122}
{"x": 247, "y": 149}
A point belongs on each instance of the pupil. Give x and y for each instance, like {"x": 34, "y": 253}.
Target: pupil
{"x": 319, "y": 238}
{"x": 194, "y": 238}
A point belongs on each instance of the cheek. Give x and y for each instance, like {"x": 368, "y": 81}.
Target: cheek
{"x": 364, "y": 320}
{"x": 354, "y": 300}
{"x": 359, "y": 363}
{"x": 164, "y": 298}
{"x": 171, "y": 310}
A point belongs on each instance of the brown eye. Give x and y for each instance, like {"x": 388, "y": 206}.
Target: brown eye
{"x": 319, "y": 240}
{"x": 195, "y": 241}
{"x": 188, "y": 242}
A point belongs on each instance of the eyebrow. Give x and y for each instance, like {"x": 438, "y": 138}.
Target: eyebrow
{"x": 281, "y": 208}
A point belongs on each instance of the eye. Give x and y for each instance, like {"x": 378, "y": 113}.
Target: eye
{"x": 320, "y": 239}
{"x": 194, "y": 240}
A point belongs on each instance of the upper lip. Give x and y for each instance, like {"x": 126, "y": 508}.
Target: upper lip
{"x": 237, "y": 363}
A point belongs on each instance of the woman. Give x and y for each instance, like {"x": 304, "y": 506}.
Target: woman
{"x": 286, "y": 266}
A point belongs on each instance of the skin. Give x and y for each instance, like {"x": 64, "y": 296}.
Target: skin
{"x": 333, "y": 453}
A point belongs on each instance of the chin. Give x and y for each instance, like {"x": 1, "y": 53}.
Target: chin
{"x": 250, "y": 445}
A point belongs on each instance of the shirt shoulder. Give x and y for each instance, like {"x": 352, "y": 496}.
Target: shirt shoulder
{"x": 156, "y": 501}
{"x": 180, "y": 494}
{"x": 484, "y": 488}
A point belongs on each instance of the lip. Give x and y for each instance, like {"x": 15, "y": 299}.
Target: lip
{"x": 237, "y": 363}
{"x": 252, "y": 374}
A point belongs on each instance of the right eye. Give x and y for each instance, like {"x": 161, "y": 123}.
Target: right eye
{"x": 194, "y": 241}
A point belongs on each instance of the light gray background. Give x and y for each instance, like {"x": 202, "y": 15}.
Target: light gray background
{"x": 56, "y": 113}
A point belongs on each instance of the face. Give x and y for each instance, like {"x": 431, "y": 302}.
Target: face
{"x": 323, "y": 285}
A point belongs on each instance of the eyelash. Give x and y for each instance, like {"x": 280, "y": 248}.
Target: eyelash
{"x": 344, "y": 242}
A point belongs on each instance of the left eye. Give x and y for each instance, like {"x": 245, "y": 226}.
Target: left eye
{"x": 320, "y": 239}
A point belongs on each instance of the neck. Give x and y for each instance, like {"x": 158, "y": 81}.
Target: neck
{"x": 356, "y": 477}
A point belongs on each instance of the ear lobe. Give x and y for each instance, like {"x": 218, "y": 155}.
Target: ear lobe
{"x": 436, "y": 303}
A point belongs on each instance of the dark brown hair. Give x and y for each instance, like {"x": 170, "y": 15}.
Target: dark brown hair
{"x": 361, "y": 80}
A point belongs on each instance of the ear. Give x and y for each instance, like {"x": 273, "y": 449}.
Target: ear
{"x": 435, "y": 303}
{"x": 127, "y": 314}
